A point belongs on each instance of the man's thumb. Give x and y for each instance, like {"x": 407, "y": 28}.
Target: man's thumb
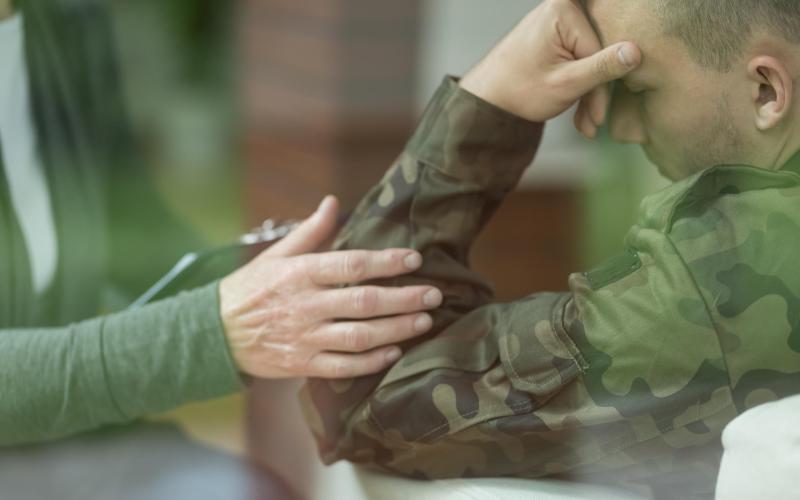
{"x": 609, "y": 64}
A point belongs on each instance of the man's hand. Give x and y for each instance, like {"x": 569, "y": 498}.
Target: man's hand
{"x": 286, "y": 315}
{"x": 552, "y": 59}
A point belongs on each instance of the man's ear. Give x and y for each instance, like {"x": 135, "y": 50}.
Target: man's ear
{"x": 773, "y": 91}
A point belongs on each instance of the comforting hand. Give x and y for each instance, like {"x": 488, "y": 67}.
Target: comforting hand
{"x": 286, "y": 315}
{"x": 552, "y": 59}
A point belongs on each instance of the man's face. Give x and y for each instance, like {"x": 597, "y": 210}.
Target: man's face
{"x": 683, "y": 115}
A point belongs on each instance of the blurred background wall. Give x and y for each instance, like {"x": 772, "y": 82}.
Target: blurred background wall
{"x": 257, "y": 108}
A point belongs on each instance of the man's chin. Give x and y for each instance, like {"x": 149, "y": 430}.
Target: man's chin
{"x": 676, "y": 169}
{"x": 665, "y": 167}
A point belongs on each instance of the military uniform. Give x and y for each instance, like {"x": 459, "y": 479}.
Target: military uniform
{"x": 630, "y": 376}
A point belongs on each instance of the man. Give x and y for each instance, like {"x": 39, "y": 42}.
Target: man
{"x": 632, "y": 375}
{"x": 78, "y": 218}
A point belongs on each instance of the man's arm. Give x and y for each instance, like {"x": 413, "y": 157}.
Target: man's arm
{"x": 585, "y": 382}
{"x": 432, "y": 202}
{"x": 623, "y": 374}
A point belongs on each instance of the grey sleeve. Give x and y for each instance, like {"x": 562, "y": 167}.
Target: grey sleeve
{"x": 112, "y": 369}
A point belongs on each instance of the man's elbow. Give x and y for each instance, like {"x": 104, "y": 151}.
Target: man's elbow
{"x": 337, "y": 412}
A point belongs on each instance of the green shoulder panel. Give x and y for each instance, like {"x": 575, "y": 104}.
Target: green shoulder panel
{"x": 688, "y": 197}
{"x": 737, "y": 230}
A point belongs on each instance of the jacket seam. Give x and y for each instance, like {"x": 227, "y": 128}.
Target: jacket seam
{"x": 706, "y": 305}
{"x": 563, "y": 336}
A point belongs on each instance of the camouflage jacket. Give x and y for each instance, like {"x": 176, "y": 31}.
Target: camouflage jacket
{"x": 630, "y": 376}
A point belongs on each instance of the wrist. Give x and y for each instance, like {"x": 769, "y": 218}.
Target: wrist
{"x": 477, "y": 83}
{"x": 485, "y": 83}
{"x": 501, "y": 144}
{"x": 225, "y": 312}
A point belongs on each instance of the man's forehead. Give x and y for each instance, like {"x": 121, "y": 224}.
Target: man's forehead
{"x": 634, "y": 21}
{"x": 618, "y": 20}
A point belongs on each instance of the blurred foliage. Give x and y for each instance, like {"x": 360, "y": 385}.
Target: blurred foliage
{"x": 201, "y": 29}
{"x": 620, "y": 178}
{"x": 178, "y": 64}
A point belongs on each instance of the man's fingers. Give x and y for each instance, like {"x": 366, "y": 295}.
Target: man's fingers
{"x": 580, "y": 35}
{"x": 361, "y": 336}
{"x": 354, "y": 266}
{"x": 311, "y": 233}
{"x": 597, "y": 102}
{"x": 336, "y": 366}
{"x": 609, "y": 64}
{"x": 583, "y": 120}
{"x": 373, "y": 302}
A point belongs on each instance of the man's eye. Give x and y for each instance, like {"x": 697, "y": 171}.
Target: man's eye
{"x": 636, "y": 90}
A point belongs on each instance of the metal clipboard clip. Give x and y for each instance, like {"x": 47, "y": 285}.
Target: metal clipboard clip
{"x": 270, "y": 232}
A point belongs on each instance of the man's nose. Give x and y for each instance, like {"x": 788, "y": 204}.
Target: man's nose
{"x": 625, "y": 123}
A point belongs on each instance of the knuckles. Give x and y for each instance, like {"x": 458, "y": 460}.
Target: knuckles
{"x": 364, "y": 300}
{"x": 337, "y": 369}
{"x": 355, "y": 266}
{"x": 285, "y": 364}
{"x": 393, "y": 260}
{"x": 356, "y": 338}
{"x": 296, "y": 272}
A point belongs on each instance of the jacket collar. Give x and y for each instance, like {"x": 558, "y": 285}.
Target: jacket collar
{"x": 793, "y": 165}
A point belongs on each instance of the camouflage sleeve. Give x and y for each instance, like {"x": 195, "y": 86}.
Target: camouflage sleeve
{"x": 618, "y": 376}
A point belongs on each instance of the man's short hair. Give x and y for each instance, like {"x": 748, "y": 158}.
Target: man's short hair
{"x": 715, "y": 31}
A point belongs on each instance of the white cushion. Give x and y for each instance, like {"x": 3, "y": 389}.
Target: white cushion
{"x": 359, "y": 484}
{"x": 762, "y": 454}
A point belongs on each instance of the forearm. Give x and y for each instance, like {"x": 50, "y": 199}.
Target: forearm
{"x": 485, "y": 375}
{"x": 550, "y": 384}
{"x": 60, "y": 381}
{"x": 464, "y": 158}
